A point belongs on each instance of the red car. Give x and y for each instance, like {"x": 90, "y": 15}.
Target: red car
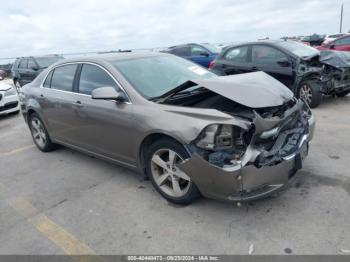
{"x": 339, "y": 44}
{"x": 2, "y": 74}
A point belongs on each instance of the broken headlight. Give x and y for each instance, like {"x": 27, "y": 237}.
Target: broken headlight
{"x": 219, "y": 137}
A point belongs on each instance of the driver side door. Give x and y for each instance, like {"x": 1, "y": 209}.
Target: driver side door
{"x": 268, "y": 59}
{"x": 105, "y": 127}
{"x": 201, "y": 56}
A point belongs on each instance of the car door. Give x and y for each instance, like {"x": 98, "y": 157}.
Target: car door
{"x": 32, "y": 71}
{"x": 58, "y": 103}
{"x": 22, "y": 71}
{"x": 342, "y": 44}
{"x": 234, "y": 61}
{"x": 103, "y": 126}
{"x": 273, "y": 62}
{"x": 201, "y": 55}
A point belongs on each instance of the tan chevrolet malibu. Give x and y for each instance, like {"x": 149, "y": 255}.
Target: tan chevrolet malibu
{"x": 234, "y": 138}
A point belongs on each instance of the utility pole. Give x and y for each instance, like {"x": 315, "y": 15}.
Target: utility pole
{"x": 341, "y": 18}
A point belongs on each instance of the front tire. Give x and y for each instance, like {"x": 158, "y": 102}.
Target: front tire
{"x": 309, "y": 91}
{"x": 172, "y": 183}
{"x": 39, "y": 134}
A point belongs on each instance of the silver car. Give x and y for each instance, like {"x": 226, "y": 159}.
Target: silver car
{"x": 234, "y": 138}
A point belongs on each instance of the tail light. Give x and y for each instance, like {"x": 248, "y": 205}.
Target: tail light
{"x": 212, "y": 64}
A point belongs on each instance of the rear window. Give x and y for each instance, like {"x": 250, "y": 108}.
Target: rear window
{"x": 47, "y": 82}
{"x": 63, "y": 77}
{"x": 23, "y": 63}
{"x": 181, "y": 51}
{"x": 237, "y": 54}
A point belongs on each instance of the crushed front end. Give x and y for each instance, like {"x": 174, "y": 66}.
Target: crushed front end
{"x": 234, "y": 163}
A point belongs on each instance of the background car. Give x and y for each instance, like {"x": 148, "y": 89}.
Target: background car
{"x": 289, "y": 62}
{"x": 201, "y": 54}
{"x": 331, "y": 38}
{"x": 2, "y": 74}
{"x": 8, "y": 99}
{"x": 339, "y": 44}
{"x": 314, "y": 39}
{"x": 25, "y": 69}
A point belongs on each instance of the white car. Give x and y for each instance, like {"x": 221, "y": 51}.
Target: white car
{"x": 330, "y": 38}
{"x": 9, "y": 102}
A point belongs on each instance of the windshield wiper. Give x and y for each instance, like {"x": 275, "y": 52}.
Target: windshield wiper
{"x": 174, "y": 91}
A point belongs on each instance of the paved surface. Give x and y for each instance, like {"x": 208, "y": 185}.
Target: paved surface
{"x": 65, "y": 202}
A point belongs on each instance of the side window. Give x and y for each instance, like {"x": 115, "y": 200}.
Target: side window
{"x": 266, "y": 55}
{"x": 31, "y": 63}
{"x": 23, "y": 63}
{"x": 343, "y": 41}
{"x": 63, "y": 77}
{"x": 93, "y": 77}
{"x": 197, "y": 50}
{"x": 181, "y": 51}
{"x": 47, "y": 82}
{"x": 238, "y": 54}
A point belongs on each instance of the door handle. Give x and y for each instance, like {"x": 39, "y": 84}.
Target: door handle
{"x": 78, "y": 103}
{"x": 41, "y": 96}
{"x": 254, "y": 68}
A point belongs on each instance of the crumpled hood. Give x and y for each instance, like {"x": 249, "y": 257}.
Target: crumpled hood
{"x": 4, "y": 86}
{"x": 339, "y": 59}
{"x": 255, "y": 90}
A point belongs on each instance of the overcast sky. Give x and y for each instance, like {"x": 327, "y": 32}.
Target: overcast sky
{"x": 40, "y": 27}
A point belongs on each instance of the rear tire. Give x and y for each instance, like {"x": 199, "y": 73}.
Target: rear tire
{"x": 343, "y": 93}
{"x": 309, "y": 91}
{"x": 161, "y": 161}
{"x": 40, "y": 135}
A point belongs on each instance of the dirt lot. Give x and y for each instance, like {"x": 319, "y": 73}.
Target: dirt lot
{"x": 66, "y": 202}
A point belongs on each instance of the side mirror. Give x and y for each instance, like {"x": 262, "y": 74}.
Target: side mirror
{"x": 283, "y": 63}
{"x": 35, "y": 68}
{"x": 108, "y": 93}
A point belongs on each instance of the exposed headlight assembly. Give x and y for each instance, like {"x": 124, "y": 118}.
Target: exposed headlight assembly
{"x": 219, "y": 137}
{"x": 10, "y": 92}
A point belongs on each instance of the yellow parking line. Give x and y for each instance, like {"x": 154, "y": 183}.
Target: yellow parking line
{"x": 17, "y": 150}
{"x": 58, "y": 235}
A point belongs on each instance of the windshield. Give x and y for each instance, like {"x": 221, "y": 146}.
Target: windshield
{"x": 157, "y": 75}
{"x": 212, "y": 48}
{"x": 299, "y": 49}
{"x": 47, "y": 61}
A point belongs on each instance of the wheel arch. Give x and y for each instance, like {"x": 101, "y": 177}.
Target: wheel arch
{"x": 146, "y": 142}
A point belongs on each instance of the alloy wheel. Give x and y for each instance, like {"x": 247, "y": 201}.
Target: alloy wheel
{"x": 168, "y": 177}
{"x": 305, "y": 93}
{"x": 38, "y": 132}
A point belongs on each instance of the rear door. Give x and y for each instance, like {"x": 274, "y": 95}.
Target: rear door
{"x": 32, "y": 71}
{"x": 58, "y": 103}
{"x": 22, "y": 71}
{"x": 273, "y": 62}
{"x": 235, "y": 60}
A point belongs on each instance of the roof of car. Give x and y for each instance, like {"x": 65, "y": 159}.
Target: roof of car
{"x": 113, "y": 56}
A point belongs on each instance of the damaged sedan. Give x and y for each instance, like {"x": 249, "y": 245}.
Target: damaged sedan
{"x": 234, "y": 138}
{"x": 301, "y": 68}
